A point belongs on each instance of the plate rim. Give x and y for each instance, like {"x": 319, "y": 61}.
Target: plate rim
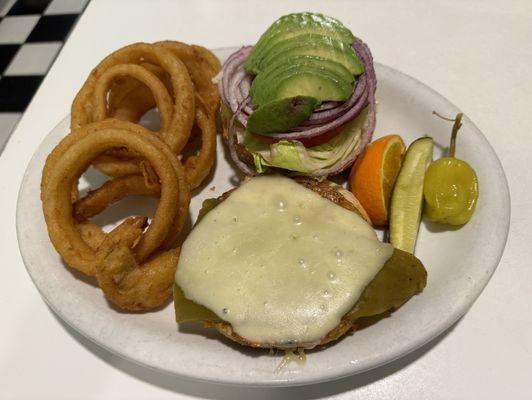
{"x": 294, "y": 380}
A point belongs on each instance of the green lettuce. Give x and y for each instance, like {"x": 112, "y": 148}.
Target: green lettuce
{"x": 294, "y": 156}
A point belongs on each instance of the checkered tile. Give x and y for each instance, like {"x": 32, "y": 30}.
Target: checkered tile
{"x": 31, "y": 34}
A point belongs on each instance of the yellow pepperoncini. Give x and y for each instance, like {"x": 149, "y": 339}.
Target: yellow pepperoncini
{"x": 451, "y": 185}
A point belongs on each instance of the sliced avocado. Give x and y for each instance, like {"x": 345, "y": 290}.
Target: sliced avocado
{"x": 299, "y": 80}
{"x": 401, "y": 277}
{"x": 308, "y": 60}
{"x": 314, "y": 45}
{"x": 281, "y": 115}
{"x": 320, "y": 86}
{"x": 267, "y": 80}
{"x": 294, "y": 25}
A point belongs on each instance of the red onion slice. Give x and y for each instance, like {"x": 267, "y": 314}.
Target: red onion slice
{"x": 322, "y": 117}
{"x": 242, "y": 93}
{"x": 327, "y": 105}
{"x": 367, "y": 60}
{"x": 233, "y": 64}
{"x": 232, "y": 137}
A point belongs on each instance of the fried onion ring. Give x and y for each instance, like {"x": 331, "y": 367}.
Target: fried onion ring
{"x": 128, "y": 284}
{"x": 83, "y": 107}
{"x": 201, "y": 67}
{"x": 198, "y": 167}
{"x": 129, "y": 100}
{"x": 118, "y": 188}
{"x": 65, "y": 165}
{"x": 160, "y": 95}
{"x": 111, "y": 192}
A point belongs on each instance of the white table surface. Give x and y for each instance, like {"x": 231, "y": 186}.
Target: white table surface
{"x": 476, "y": 53}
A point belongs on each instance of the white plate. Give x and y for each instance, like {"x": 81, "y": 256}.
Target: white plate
{"x": 459, "y": 263}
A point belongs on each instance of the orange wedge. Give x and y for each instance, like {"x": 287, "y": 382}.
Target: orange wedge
{"x": 373, "y": 176}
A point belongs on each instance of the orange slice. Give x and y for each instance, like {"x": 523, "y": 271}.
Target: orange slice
{"x": 373, "y": 176}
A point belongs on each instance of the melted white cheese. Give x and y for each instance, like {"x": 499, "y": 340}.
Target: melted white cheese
{"x": 280, "y": 263}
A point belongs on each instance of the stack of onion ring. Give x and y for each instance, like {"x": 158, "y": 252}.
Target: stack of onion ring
{"x": 135, "y": 263}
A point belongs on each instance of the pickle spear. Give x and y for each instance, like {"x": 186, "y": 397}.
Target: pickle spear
{"x": 407, "y": 197}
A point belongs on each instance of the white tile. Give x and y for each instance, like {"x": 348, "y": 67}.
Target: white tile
{"x": 5, "y": 6}
{"x": 65, "y": 7}
{"x": 8, "y": 121}
{"x": 33, "y": 59}
{"x": 17, "y": 28}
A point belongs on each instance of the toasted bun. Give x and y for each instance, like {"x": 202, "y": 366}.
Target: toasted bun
{"x": 226, "y": 329}
{"x": 337, "y": 195}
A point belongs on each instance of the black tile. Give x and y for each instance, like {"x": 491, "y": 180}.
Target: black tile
{"x": 17, "y": 91}
{"x": 7, "y": 52}
{"x": 25, "y": 7}
{"x": 52, "y": 28}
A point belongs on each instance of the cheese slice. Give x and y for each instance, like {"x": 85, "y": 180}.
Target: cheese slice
{"x": 279, "y": 262}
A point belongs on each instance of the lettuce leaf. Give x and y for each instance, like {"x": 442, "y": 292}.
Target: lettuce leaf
{"x": 294, "y": 156}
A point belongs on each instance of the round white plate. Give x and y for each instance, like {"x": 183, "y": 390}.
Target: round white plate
{"x": 459, "y": 264}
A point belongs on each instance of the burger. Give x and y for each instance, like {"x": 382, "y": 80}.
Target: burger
{"x": 285, "y": 263}
{"x": 301, "y": 101}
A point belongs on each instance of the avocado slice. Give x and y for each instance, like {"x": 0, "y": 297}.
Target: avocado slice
{"x": 263, "y": 81}
{"x": 314, "y": 45}
{"x": 322, "y": 86}
{"x": 299, "y": 80}
{"x": 281, "y": 115}
{"x": 296, "y": 24}
{"x": 401, "y": 277}
{"x": 307, "y": 60}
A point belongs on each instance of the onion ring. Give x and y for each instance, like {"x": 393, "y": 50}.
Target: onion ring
{"x": 91, "y": 233}
{"x": 183, "y": 90}
{"x": 132, "y": 95}
{"x": 202, "y": 66}
{"x": 62, "y": 170}
{"x": 198, "y": 167}
{"x": 158, "y": 90}
{"x": 111, "y": 192}
{"x": 129, "y": 100}
{"x": 91, "y": 103}
{"x": 128, "y": 284}
{"x": 118, "y": 188}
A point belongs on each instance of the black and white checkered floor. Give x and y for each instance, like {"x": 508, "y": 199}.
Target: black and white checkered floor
{"x": 31, "y": 35}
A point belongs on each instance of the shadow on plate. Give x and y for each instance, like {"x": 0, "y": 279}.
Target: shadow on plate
{"x": 92, "y": 281}
{"x": 195, "y": 328}
{"x": 217, "y": 391}
{"x": 435, "y": 227}
{"x": 80, "y": 276}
